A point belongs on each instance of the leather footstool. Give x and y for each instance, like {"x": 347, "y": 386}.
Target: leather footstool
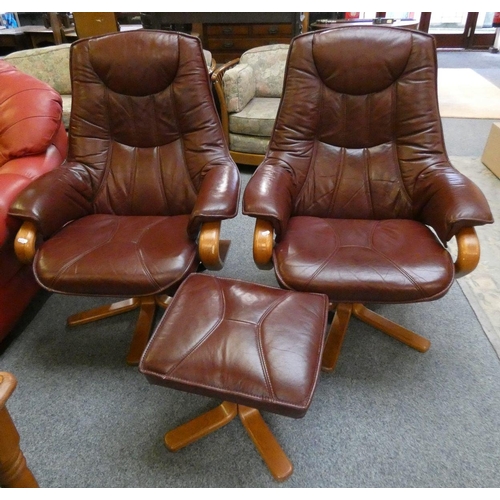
{"x": 252, "y": 346}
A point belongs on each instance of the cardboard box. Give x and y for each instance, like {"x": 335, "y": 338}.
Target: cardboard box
{"x": 491, "y": 153}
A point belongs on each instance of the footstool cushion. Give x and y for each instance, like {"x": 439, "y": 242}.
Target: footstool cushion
{"x": 245, "y": 343}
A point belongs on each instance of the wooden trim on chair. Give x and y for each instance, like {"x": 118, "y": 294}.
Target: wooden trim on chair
{"x": 263, "y": 241}
{"x": 469, "y": 251}
{"x": 14, "y": 473}
{"x": 25, "y": 243}
{"x": 217, "y": 81}
{"x": 209, "y": 246}
{"x": 247, "y": 158}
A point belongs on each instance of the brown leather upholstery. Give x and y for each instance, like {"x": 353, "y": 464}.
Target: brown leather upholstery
{"x": 253, "y": 346}
{"x": 147, "y": 166}
{"x": 357, "y": 182}
{"x": 238, "y": 341}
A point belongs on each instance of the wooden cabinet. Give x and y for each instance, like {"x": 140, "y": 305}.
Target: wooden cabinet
{"x": 228, "y": 41}
{"x": 228, "y": 34}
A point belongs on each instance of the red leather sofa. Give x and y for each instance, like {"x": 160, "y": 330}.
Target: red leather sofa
{"x": 32, "y": 141}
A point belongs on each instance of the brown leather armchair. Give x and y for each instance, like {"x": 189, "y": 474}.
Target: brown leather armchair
{"x": 357, "y": 189}
{"x": 148, "y": 179}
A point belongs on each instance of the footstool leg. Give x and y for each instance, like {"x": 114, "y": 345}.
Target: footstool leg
{"x": 200, "y": 426}
{"x": 278, "y": 463}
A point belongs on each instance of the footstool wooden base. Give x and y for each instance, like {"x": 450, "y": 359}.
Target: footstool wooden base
{"x": 252, "y": 346}
{"x": 271, "y": 452}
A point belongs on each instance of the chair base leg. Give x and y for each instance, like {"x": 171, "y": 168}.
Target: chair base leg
{"x": 271, "y": 452}
{"x": 336, "y": 337}
{"x": 339, "y": 327}
{"x": 147, "y": 308}
{"x": 407, "y": 337}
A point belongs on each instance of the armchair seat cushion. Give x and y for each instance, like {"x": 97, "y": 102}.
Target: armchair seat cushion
{"x": 257, "y": 118}
{"x": 248, "y": 144}
{"x": 368, "y": 261}
{"x": 155, "y": 253}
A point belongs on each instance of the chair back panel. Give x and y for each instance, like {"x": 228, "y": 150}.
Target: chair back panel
{"x": 359, "y": 121}
{"x": 139, "y": 118}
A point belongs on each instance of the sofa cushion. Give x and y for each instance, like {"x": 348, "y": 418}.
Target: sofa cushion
{"x": 268, "y": 63}
{"x": 26, "y": 104}
{"x": 239, "y": 87}
{"x": 49, "y": 64}
{"x": 257, "y": 118}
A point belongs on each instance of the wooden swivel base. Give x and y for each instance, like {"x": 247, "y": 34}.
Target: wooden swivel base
{"x": 278, "y": 463}
{"x": 14, "y": 472}
{"x": 339, "y": 327}
{"x": 147, "y": 307}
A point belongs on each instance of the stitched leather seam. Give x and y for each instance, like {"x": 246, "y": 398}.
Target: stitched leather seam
{"x": 263, "y": 363}
{"x": 222, "y": 390}
{"x": 331, "y": 208}
{"x": 208, "y": 333}
{"x": 396, "y": 266}
{"x": 332, "y": 253}
{"x": 80, "y": 256}
{"x": 141, "y": 255}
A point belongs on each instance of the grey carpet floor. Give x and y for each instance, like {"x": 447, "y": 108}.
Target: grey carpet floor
{"x": 388, "y": 416}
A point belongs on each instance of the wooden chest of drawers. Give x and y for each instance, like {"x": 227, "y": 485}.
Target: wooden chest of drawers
{"x": 229, "y": 41}
{"x": 228, "y": 34}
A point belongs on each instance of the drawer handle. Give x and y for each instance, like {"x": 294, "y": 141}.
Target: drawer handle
{"x": 228, "y": 45}
{"x": 227, "y": 30}
{"x": 273, "y": 30}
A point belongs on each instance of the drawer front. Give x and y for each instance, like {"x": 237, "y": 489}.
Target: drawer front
{"x": 242, "y": 44}
{"x": 228, "y": 29}
{"x": 272, "y": 29}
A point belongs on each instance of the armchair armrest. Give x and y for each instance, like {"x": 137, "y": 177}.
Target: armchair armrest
{"x": 217, "y": 200}
{"x": 448, "y": 201}
{"x": 269, "y": 196}
{"x": 54, "y": 199}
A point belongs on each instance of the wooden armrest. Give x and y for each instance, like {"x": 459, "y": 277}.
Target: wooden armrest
{"x": 263, "y": 241}
{"x": 469, "y": 251}
{"x": 7, "y": 385}
{"x": 25, "y": 243}
{"x": 211, "y": 249}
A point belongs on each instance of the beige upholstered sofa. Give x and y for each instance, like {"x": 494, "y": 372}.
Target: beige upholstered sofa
{"x": 249, "y": 92}
{"x": 50, "y": 65}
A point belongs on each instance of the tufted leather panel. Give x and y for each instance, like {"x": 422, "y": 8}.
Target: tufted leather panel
{"x": 359, "y": 136}
{"x": 147, "y": 165}
{"x": 392, "y": 260}
{"x": 157, "y": 116}
{"x": 241, "y": 342}
{"x": 357, "y": 169}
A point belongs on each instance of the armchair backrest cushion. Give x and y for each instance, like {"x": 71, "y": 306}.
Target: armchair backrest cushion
{"x": 49, "y": 64}
{"x": 359, "y": 121}
{"x": 30, "y": 114}
{"x": 268, "y": 63}
{"x": 143, "y": 123}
